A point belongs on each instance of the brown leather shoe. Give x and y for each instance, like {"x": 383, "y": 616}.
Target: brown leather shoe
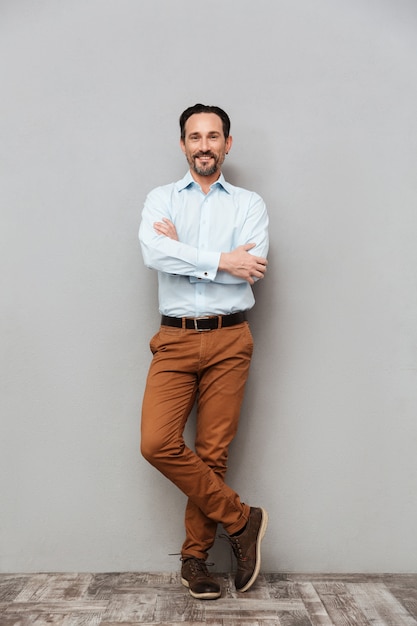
{"x": 247, "y": 549}
{"x": 195, "y": 576}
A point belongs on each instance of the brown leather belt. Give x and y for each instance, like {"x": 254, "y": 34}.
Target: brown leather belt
{"x": 204, "y": 323}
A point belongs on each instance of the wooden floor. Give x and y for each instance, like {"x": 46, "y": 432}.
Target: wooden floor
{"x": 275, "y": 599}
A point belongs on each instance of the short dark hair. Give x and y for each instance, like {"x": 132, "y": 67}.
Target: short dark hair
{"x": 205, "y": 108}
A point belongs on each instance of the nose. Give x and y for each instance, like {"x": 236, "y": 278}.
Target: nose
{"x": 204, "y": 144}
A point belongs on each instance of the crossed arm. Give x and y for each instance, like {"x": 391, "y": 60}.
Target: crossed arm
{"x": 238, "y": 262}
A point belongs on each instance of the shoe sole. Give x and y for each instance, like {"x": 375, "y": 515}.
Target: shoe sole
{"x": 209, "y": 595}
{"x": 261, "y": 534}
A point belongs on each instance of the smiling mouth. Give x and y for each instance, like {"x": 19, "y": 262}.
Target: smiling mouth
{"x": 204, "y": 157}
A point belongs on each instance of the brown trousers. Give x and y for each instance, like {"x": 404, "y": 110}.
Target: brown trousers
{"x": 210, "y": 367}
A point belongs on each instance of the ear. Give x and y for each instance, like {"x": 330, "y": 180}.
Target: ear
{"x": 229, "y": 142}
{"x": 182, "y": 145}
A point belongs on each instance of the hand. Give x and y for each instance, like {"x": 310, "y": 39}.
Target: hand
{"x": 242, "y": 264}
{"x": 167, "y": 228}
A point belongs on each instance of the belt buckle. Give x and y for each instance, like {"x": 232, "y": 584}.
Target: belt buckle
{"x": 201, "y": 330}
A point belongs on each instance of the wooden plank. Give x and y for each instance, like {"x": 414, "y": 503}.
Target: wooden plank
{"x": 44, "y": 587}
{"x": 65, "y": 607}
{"x": 340, "y": 604}
{"x": 129, "y": 580}
{"x": 83, "y": 619}
{"x": 18, "y": 619}
{"x": 44, "y": 618}
{"x": 11, "y": 586}
{"x": 170, "y": 623}
{"x": 259, "y": 590}
{"x": 179, "y": 606}
{"x": 294, "y": 619}
{"x": 333, "y": 578}
{"x": 282, "y": 589}
{"x": 131, "y": 607}
{"x": 248, "y": 605}
{"x": 36, "y": 583}
{"x": 226, "y": 582}
{"x": 314, "y": 606}
{"x": 404, "y": 588}
{"x": 380, "y": 606}
{"x": 247, "y": 610}
{"x": 239, "y": 621}
{"x": 102, "y": 586}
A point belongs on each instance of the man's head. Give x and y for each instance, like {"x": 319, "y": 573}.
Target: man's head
{"x": 205, "y": 139}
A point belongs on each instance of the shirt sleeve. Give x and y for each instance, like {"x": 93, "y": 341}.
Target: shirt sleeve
{"x": 167, "y": 255}
{"x": 254, "y": 229}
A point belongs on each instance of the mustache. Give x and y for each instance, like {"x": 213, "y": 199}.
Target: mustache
{"x": 203, "y": 154}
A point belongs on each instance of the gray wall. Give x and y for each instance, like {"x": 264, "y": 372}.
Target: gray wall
{"x": 323, "y": 101}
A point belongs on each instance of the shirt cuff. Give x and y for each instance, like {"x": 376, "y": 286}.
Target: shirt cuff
{"x": 207, "y": 266}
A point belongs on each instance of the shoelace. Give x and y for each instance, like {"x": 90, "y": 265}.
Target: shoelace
{"x": 236, "y": 547}
{"x": 198, "y": 566}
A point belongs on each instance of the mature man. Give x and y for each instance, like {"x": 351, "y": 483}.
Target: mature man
{"x": 208, "y": 240}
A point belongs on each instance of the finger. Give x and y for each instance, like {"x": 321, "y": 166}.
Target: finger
{"x": 259, "y": 273}
{"x": 259, "y": 266}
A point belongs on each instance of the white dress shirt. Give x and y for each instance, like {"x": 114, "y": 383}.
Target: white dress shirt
{"x": 190, "y": 284}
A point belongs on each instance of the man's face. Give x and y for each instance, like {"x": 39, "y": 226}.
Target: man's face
{"x": 204, "y": 145}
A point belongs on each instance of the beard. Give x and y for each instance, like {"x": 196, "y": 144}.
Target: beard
{"x": 209, "y": 168}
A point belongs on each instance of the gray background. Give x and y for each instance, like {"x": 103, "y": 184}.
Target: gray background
{"x": 323, "y": 101}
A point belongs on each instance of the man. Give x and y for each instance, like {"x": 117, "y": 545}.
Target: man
{"x": 208, "y": 240}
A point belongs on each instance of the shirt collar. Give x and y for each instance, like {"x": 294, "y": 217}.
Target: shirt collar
{"x": 188, "y": 181}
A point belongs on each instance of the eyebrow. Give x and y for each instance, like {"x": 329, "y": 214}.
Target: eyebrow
{"x": 210, "y": 132}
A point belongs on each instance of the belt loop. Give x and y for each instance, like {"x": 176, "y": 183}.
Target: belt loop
{"x": 183, "y": 323}
{"x": 219, "y": 322}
